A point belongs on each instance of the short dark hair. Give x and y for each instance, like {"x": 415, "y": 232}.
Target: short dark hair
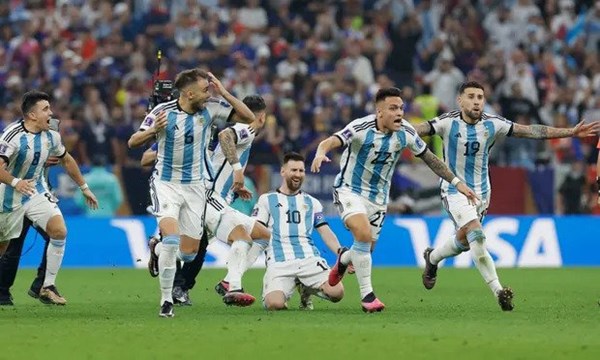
{"x": 255, "y": 103}
{"x": 469, "y": 84}
{"x": 292, "y": 156}
{"x": 385, "y": 93}
{"x": 188, "y": 77}
{"x": 31, "y": 98}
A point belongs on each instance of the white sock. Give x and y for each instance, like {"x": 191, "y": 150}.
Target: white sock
{"x": 54, "y": 257}
{"x": 237, "y": 263}
{"x": 167, "y": 259}
{"x": 158, "y": 249}
{"x": 346, "y": 258}
{"x": 360, "y": 255}
{"x": 483, "y": 261}
{"x": 448, "y": 249}
{"x": 258, "y": 247}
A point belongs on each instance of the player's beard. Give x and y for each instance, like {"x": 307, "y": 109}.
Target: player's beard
{"x": 475, "y": 115}
{"x": 292, "y": 185}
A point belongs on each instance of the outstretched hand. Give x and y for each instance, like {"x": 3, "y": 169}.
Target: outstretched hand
{"x": 316, "y": 164}
{"x": 585, "y": 130}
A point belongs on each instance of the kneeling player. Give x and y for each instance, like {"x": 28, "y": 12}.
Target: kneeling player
{"x": 292, "y": 215}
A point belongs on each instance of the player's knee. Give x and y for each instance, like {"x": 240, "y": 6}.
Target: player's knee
{"x": 336, "y": 293}
{"x": 275, "y": 304}
{"x": 186, "y": 257}
{"x": 260, "y": 232}
{"x": 239, "y": 233}
{"x": 475, "y": 235}
{"x": 57, "y": 232}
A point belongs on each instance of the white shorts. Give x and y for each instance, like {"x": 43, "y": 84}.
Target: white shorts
{"x": 221, "y": 219}
{"x": 461, "y": 212}
{"x": 182, "y": 202}
{"x": 349, "y": 203}
{"x": 39, "y": 209}
{"x": 281, "y": 276}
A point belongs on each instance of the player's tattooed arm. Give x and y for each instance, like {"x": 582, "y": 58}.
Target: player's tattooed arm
{"x": 423, "y": 129}
{"x": 227, "y": 142}
{"x": 437, "y": 166}
{"x": 547, "y": 132}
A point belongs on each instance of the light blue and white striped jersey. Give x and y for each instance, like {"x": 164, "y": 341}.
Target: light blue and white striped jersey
{"x": 244, "y": 135}
{"x": 25, "y": 154}
{"x": 291, "y": 220}
{"x": 183, "y": 145}
{"x": 370, "y": 157}
{"x": 467, "y": 148}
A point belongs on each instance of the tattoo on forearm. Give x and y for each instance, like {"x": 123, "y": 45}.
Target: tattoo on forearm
{"x": 227, "y": 142}
{"x": 545, "y": 132}
{"x": 437, "y": 166}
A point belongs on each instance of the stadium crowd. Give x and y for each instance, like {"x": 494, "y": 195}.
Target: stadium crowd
{"x": 316, "y": 63}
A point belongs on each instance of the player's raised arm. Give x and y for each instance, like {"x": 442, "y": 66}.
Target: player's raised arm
{"x": 441, "y": 170}
{"x": 580, "y": 130}
{"x": 324, "y": 147}
{"x": 227, "y": 140}
{"x": 150, "y": 127}
{"x": 242, "y": 113}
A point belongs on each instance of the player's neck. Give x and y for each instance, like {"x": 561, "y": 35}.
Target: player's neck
{"x": 286, "y": 191}
{"x": 184, "y": 105}
{"x": 379, "y": 126}
{"x": 468, "y": 119}
{"x": 31, "y": 127}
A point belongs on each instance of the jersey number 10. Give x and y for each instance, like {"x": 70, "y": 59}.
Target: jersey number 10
{"x": 293, "y": 217}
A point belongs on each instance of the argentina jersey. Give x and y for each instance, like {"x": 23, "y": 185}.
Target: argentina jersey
{"x": 183, "y": 145}
{"x": 244, "y": 135}
{"x": 291, "y": 220}
{"x": 25, "y": 154}
{"x": 370, "y": 156}
{"x": 467, "y": 148}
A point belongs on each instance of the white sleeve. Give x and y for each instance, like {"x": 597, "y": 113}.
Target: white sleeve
{"x": 440, "y": 125}
{"x": 242, "y": 134}
{"x": 261, "y": 210}
{"x": 416, "y": 145}
{"x": 58, "y": 149}
{"x": 346, "y": 134}
{"x": 504, "y": 127}
{"x": 219, "y": 110}
{"x": 319, "y": 218}
{"x": 7, "y": 150}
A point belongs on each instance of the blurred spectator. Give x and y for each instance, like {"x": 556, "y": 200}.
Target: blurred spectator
{"x": 571, "y": 191}
{"x": 105, "y": 185}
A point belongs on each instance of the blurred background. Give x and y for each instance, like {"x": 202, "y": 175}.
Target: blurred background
{"x": 318, "y": 65}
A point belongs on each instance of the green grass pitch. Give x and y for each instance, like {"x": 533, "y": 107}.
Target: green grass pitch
{"x": 112, "y": 314}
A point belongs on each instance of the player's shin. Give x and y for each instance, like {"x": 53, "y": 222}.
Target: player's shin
{"x": 167, "y": 258}
{"x": 482, "y": 259}
{"x": 237, "y": 263}
{"x": 361, "y": 258}
{"x": 54, "y": 256}
{"x": 449, "y": 248}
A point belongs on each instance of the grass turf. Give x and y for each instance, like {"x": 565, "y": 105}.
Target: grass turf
{"x": 112, "y": 313}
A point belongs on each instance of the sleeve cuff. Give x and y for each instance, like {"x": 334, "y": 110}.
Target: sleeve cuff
{"x": 262, "y": 223}
{"x": 5, "y": 159}
{"x": 339, "y": 137}
{"x": 510, "y": 131}
{"x": 63, "y": 154}
{"x": 422, "y": 152}
{"x": 321, "y": 224}
{"x": 431, "y": 128}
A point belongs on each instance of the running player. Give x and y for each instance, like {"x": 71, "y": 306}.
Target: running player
{"x": 361, "y": 190}
{"x": 468, "y": 136}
